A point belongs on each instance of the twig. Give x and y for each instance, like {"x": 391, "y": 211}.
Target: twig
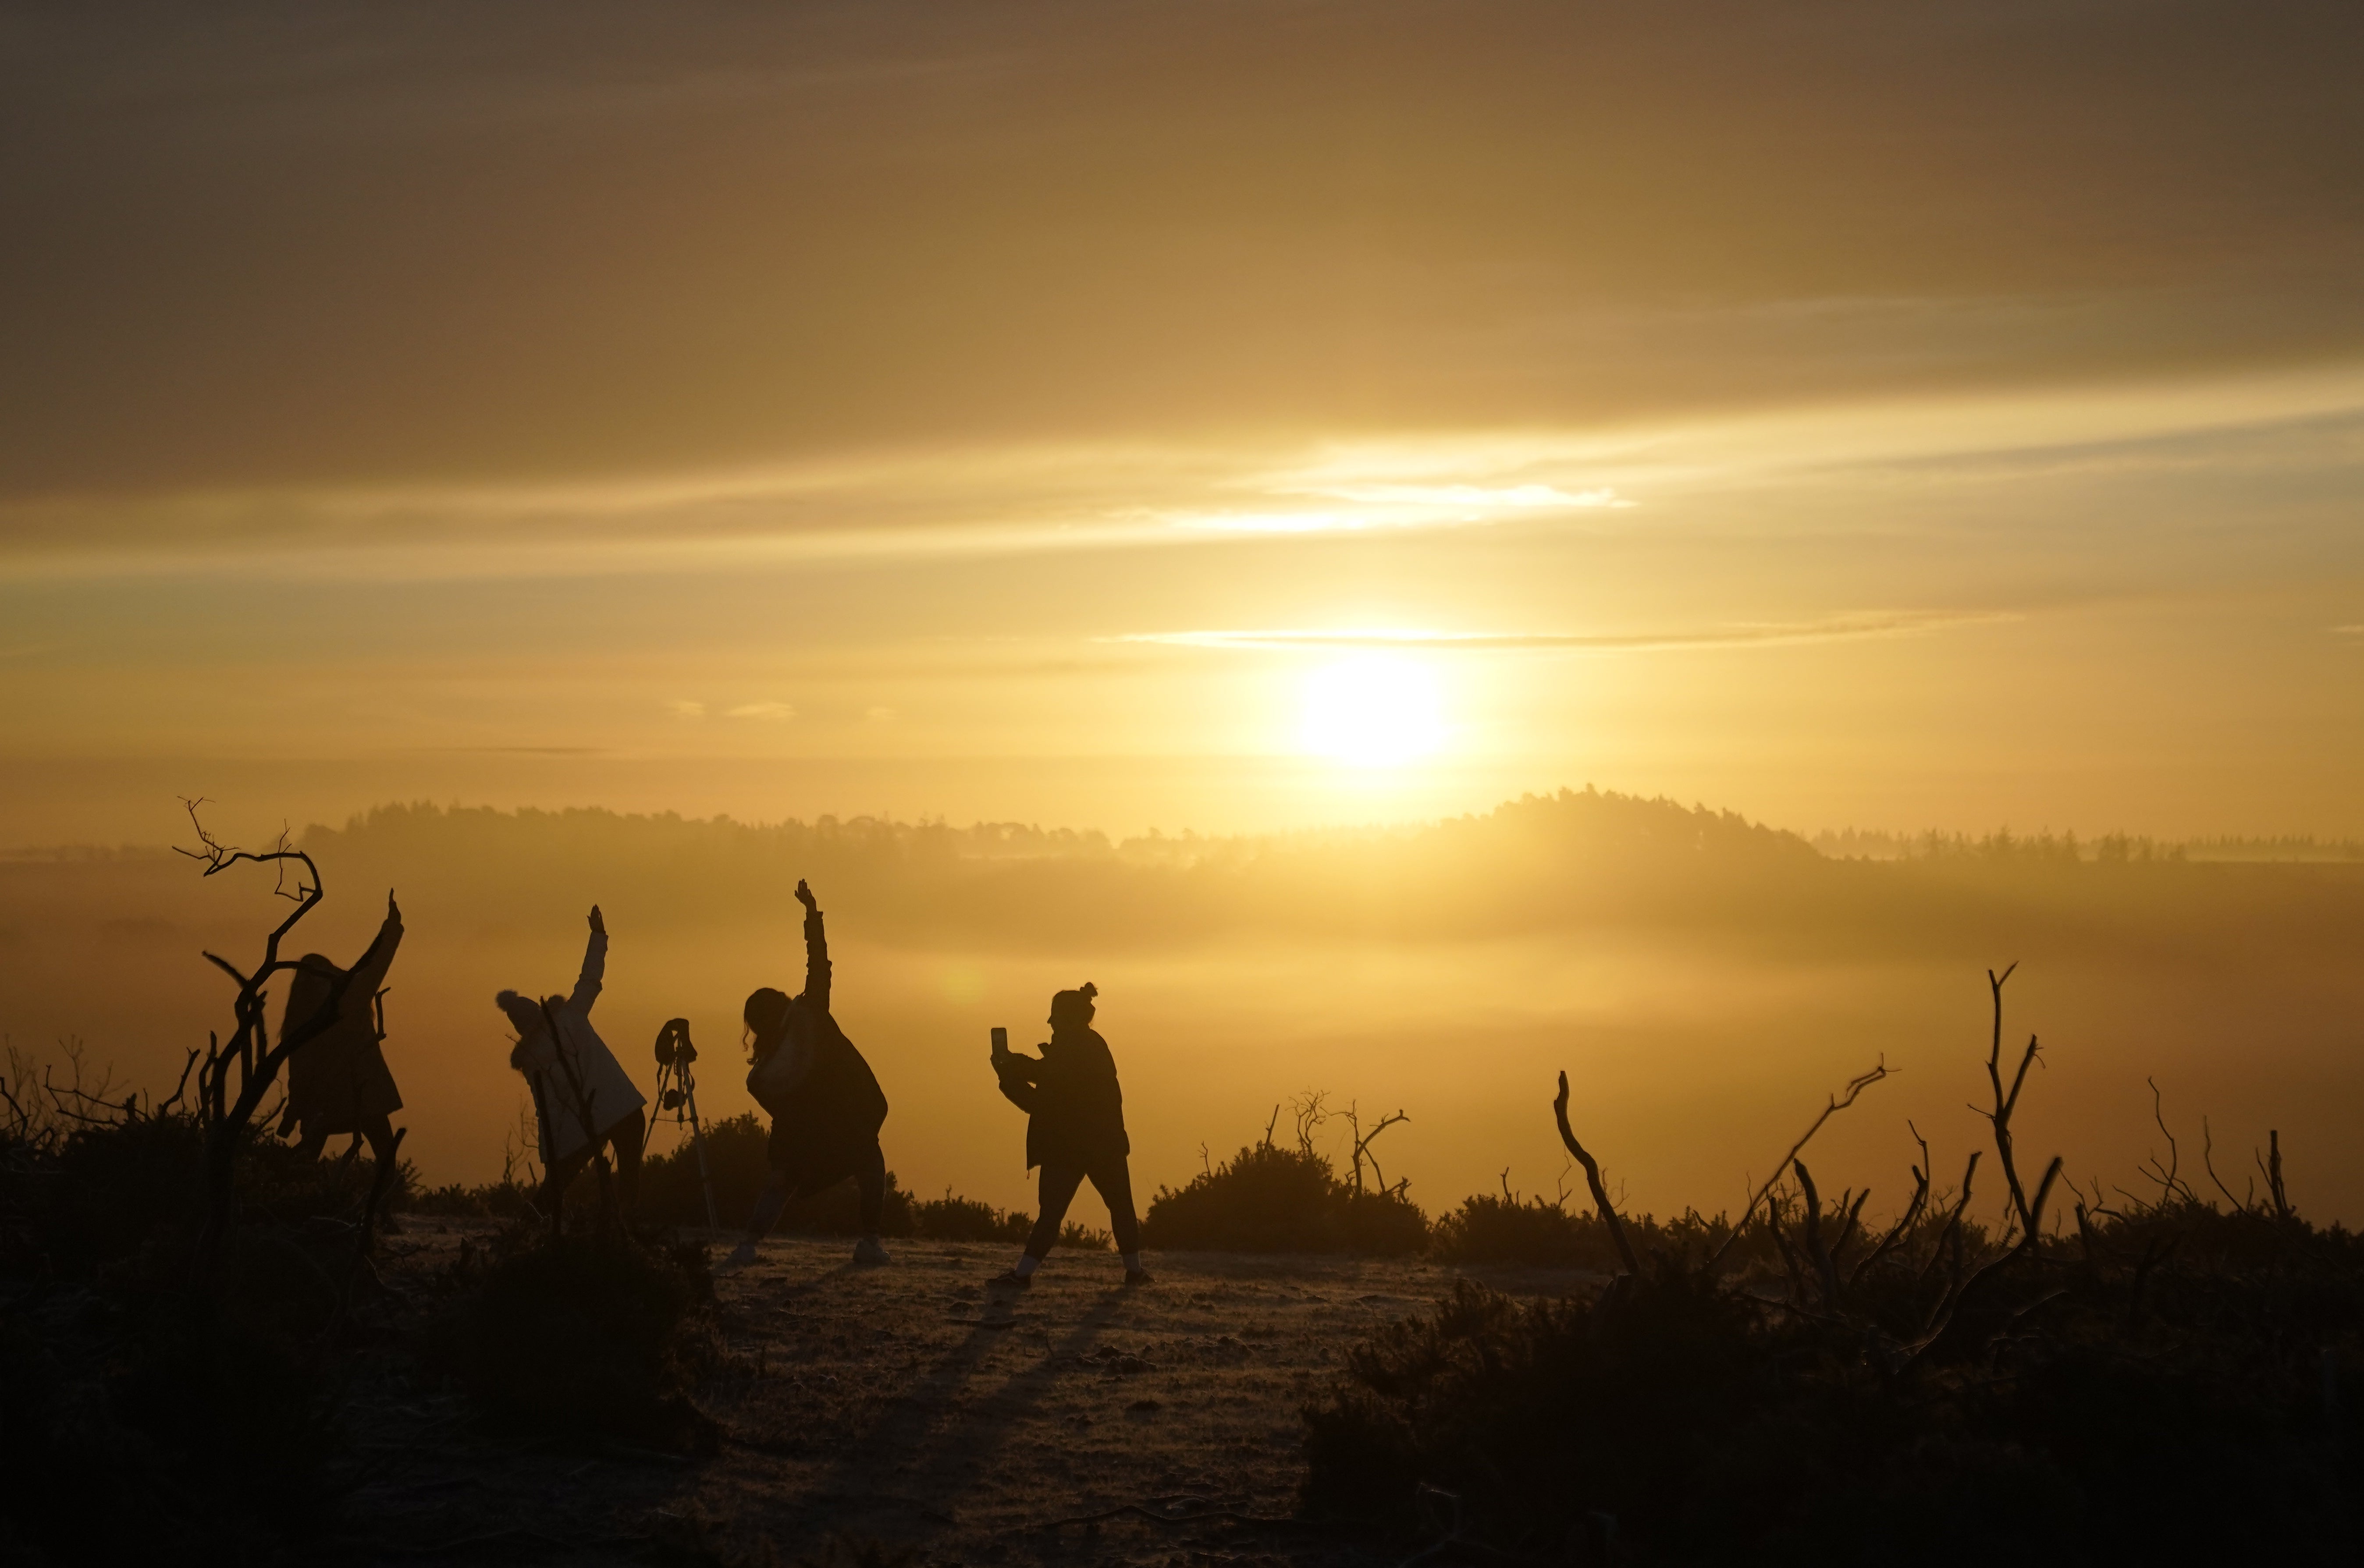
{"x": 2274, "y": 1176}
{"x": 2208, "y": 1162}
{"x": 1854, "y": 1221}
{"x": 1839, "y": 1103}
{"x": 2005, "y": 1104}
{"x": 1608, "y": 1211}
{"x": 1363, "y": 1142}
{"x": 2170, "y": 1185}
{"x": 1953, "y": 1227}
{"x": 1897, "y": 1231}
{"x": 1816, "y": 1253}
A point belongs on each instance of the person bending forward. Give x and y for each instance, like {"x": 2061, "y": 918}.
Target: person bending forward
{"x": 583, "y": 1100}
{"x": 1074, "y": 1130}
{"x": 825, "y": 1102}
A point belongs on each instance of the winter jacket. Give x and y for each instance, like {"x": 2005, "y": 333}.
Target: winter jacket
{"x": 834, "y": 1106}
{"x": 339, "y": 1076}
{"x": 1077, "y": 1107}
{"x": 579, "y": 1068}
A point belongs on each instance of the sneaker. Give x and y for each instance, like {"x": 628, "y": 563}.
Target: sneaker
{"x": 1011, "y": 1279}
{"x": 740, "y": 1256}
{"x": 1135, "y": 1278}
{"x": 869, "y": 1253}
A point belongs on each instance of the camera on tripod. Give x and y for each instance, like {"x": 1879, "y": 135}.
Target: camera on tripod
{"x": 674, "y": 1053}
{"x": 678, "y": 1100}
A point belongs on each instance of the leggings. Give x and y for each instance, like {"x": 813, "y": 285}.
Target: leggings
{"x": 868, "y": 1170}
{"x": 1111, "y": 1178}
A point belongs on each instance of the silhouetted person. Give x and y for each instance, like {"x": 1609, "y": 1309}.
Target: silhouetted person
{"x": 583, "y": 1098}
{"x": 825, "y": 1102}
{"x": 1074, "y": 1130}
{"x": 338, "y": 1080}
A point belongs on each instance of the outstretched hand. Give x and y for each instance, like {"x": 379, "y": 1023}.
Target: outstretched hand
{"x": 598, "y": 925}
{"x": 392, "y": 910}
{"x": 805, "y": 897}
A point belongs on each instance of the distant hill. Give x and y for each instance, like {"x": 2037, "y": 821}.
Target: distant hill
{"x": 1574, "y": 858}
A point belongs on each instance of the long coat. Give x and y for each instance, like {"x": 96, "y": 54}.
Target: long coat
{"x": 1076, "y": 1108}
{"x": 579, "y": 1068}
{"x": 339, "y": 1076}
{"x": 836, "y": 1107}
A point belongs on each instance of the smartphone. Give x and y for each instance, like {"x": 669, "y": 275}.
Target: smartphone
{"x": 1000, "y": 1040}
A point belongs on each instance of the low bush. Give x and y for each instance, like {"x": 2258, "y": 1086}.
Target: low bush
{"x": 1696, "y": 1422}
{"x": 139, "y": 1405}
{"x": 596, "y": 1333}
{"x": 1271, "y": 1199}
{"x": 738, "y": 1159}
{"x": 2166, "y": 1382}
{"x": 507, "y": 1199}
{"x": 1507, "y": 1229}
{"x": 104, "y": 1190}
{"x": 949, "y": 1219}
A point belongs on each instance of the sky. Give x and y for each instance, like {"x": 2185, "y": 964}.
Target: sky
{"x": 1226, "y": 416}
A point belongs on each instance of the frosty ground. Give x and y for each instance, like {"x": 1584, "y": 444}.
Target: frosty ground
{"x": 913, "y": 1406}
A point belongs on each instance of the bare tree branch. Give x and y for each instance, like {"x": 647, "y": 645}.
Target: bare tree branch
{"x": 1839, "y": 1103}
{"x": 1608, "y": 1211}
{"x": 1363, "y": 1142}
{"x": 2208, "y": 1163}
{"x": 1825, "y": 1273}
{"x": 1903, "y": 1226}
{"x": 2171, "y": 1185}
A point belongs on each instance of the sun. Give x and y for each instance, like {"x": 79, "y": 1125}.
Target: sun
{"x": 1376, "y": 711}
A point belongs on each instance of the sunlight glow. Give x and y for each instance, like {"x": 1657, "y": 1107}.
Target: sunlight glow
{"x": 1373, "y": 712}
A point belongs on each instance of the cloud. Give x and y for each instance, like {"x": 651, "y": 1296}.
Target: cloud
{"x": 778, "y": 712}
{"x": 293, "y": 258}
{"x": 682, "y": 707}
{"x": 1761, "y": 634}
{"x": 2292, "y": 428}
{"x": 1524, "y": 498}
{"x": 1403, "y": 507}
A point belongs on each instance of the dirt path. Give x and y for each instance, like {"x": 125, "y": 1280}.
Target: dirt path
{"x": 911, "y": 1405}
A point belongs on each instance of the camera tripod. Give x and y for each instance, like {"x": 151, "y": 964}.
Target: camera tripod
{"x": 677, "y": 1094}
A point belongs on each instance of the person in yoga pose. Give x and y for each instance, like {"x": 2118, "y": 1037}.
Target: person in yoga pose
{"x": 338, "y": 1080}
{"x": 584, "y": 1101}
{"x": 1074, "y": 1130}
{"x": 825, "y": 1102}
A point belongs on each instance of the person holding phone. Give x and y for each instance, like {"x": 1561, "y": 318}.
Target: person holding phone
{"x": 825, "y": 1102}
{"x": 1074, "y": 1130}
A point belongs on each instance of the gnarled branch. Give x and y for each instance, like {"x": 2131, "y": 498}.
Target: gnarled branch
{"x": 1608, "y": 1211}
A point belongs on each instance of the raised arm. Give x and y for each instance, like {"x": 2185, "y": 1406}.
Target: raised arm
{"x": 369, "y": 970}
{"x": 594, "y": 965}
{"x": 816, "y": 970}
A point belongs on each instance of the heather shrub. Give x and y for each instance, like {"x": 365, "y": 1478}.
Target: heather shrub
{"x": 585, "y": 1334}
{"x": 1271, "y": 1199}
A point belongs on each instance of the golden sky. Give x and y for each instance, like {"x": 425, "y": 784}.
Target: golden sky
{"x": 1223, "y": 415}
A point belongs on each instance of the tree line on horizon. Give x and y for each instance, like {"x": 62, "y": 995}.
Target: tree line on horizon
{"x": 1585, "y": 859}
